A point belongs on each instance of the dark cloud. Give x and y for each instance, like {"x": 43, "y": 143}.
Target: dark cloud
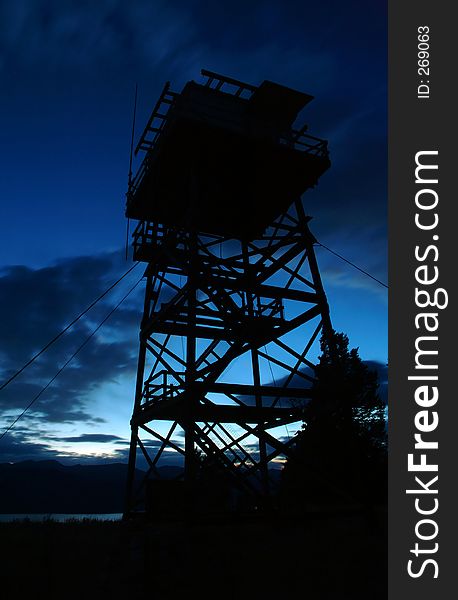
{"x": 17, "y": 446}
{"x": 88, "y": 33}
{"x": 98, "y": 438}
{"x": 298, "y": 381}
{"x": 21, "y": 444}
{"x": 337, "y": 272}
{"x": 35, "y": 304}
{"x": 152, "y": 32}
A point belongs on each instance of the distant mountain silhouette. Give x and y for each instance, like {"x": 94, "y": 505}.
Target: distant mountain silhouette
{"x": 51, "y": 487}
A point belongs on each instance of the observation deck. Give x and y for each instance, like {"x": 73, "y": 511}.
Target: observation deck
{"x": 223, "y": 158}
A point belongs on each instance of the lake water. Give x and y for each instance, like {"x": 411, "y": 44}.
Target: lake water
{"x": 61, "y": 518}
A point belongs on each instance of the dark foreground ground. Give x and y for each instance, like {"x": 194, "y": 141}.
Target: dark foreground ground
{"x": 314, "y": 557}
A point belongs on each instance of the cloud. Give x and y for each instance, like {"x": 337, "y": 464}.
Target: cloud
{"x": 98, "y": 438}
{"x": 87, "y": 33}
{"x": 21, "y": 444}
{"x": 367, "y": 249}
{"x": 35, "y": 305}
{"x": 62, "y": 34}
{"x": 17, "y": 446}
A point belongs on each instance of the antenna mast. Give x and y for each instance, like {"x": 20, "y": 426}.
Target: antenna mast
{"x": 129, "y": 179}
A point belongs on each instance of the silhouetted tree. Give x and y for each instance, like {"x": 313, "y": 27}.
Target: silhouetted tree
{"x": 341, "y": 449}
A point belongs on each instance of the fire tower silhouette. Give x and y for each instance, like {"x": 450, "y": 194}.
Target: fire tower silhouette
{"x": 231, "y": 279}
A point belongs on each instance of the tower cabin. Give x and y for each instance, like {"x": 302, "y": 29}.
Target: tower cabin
{"x": 223, "y": 158}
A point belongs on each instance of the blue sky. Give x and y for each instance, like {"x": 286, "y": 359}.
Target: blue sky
{"x": 67, "y": 75}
